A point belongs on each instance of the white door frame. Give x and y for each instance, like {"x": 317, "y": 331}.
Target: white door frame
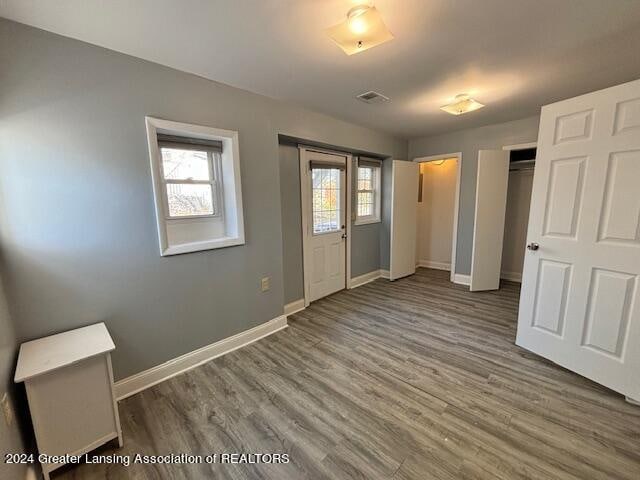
{"x": 520, "y": 146}
{"x": 456, "y": 205}
{"x": 305, "y": 195}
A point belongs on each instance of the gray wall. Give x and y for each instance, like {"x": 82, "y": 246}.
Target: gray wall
{"x": 291, "y": 223}
{"x": 365, "y": 248}
{"x": 365, "y": 239}
{"x": 10, "y": 440}
{"x": 77, "y": 223}
{"x": 469, "y": 142}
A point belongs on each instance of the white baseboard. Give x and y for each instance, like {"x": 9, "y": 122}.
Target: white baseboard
{"x": 294, "y": 307}
{"x": 511, "y": 276}
{"x": 366, "y": 278}
{"x": 143, "y": 380}
{"x": 435, "y": 265}
{"x": 385, "y": 274}
{"x": 462, "y": 279}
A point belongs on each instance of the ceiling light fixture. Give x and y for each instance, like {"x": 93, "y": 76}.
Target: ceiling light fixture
{"x": 362, "y": 30}
{"x": 462, "y": 104}
{"x": 356, "y": 20}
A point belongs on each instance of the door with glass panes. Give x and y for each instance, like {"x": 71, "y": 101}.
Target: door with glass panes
{"x": 323, "y": 181}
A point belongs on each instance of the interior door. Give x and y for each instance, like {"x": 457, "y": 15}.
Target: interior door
{"x": 324, "y": 193}
{"x": 488, "y": 228}
{"x": 579, "y": 304}
{"x": 404, "y": 204}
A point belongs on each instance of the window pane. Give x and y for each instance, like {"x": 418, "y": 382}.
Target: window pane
{"x": 364, "y": 173}
{"x": 365, "y": 185}
{"x": 186, "y": 199}
{"x": 367, "y": 194}
{"x": 184, "y": 164}
{"x": 325, "y": 199}
{"x": 365, "y": 178}
{"x": 365, "y": 204}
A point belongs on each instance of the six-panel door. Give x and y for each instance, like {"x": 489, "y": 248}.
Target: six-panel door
{"x": 579, "y": 303}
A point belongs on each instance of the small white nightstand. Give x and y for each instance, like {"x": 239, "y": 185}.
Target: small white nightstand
{"x": 69, "y": 383}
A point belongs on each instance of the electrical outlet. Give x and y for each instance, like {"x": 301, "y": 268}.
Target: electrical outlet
{"x": 265, "y": 284}
{"x": 5, "y": 403}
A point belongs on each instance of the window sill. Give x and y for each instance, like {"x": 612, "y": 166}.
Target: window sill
{"x": 367, "y": 221}
{"x": 221, "y": 242}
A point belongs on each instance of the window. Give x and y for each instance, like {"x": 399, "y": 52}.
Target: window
{"x": 196, "y": 180}
{"x": 189, "y": 177}
{"x": 368, "y": 191}
{"x": 365, "y": 192}
{"x": 325, "y": 186}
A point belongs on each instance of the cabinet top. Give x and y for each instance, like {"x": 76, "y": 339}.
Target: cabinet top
{"x": 51, "y": 353}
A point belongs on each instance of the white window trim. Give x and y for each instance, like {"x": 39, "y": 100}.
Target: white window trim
{"x": 230, "y": 199}
{"x": 377, "y": 194}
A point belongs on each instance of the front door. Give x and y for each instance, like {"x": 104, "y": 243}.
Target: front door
{"x": 323, "y": 177}
{"x": 580, "y": 305}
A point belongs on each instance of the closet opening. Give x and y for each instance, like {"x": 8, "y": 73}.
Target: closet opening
{"x": 437, "y": 212}
{"x": 522, "y": 160}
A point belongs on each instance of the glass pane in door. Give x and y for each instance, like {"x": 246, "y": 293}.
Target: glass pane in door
{"x": 325, "y": 200}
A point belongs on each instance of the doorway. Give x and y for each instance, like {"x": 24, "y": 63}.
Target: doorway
{"x": 503, "y": 192}
{"x": 521, "y": 167}
{"x": 437, "y": 212}
{"x": 325, "y": 178}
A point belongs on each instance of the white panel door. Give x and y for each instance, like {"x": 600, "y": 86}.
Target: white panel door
{"x": 488, "y": 228}
{"x": 579, "y": 304}
{"x": 404, "y": 205}
{"x": 324, "y": 192}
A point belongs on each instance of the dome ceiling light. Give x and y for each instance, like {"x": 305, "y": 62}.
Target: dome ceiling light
{"x": 362, "y": 29}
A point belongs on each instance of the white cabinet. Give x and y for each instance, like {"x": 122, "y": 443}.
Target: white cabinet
{"x": 69, "y": 383}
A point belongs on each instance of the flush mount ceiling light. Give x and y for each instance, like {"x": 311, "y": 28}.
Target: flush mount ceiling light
{"x": 362, "y": 30}
{"x": 462, "y": 104}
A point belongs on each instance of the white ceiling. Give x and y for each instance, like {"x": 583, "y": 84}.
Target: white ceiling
{"x": 513, "y": 55}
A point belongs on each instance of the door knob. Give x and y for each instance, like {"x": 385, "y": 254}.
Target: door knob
{"x": 344, "y": 235}
{"x": 533, "y": 246}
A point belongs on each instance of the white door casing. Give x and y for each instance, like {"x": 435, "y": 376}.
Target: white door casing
{"x": 488, "y": 228}
{"x": 579, "y": 304}
{"x": 324, "y": 223}
{"x": 404, "y": 204}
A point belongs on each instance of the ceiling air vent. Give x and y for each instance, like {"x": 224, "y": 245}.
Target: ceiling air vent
{"x": 372, "y": 97}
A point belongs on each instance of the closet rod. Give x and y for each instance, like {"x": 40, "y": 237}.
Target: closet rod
{"x": 522, "y": 169}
